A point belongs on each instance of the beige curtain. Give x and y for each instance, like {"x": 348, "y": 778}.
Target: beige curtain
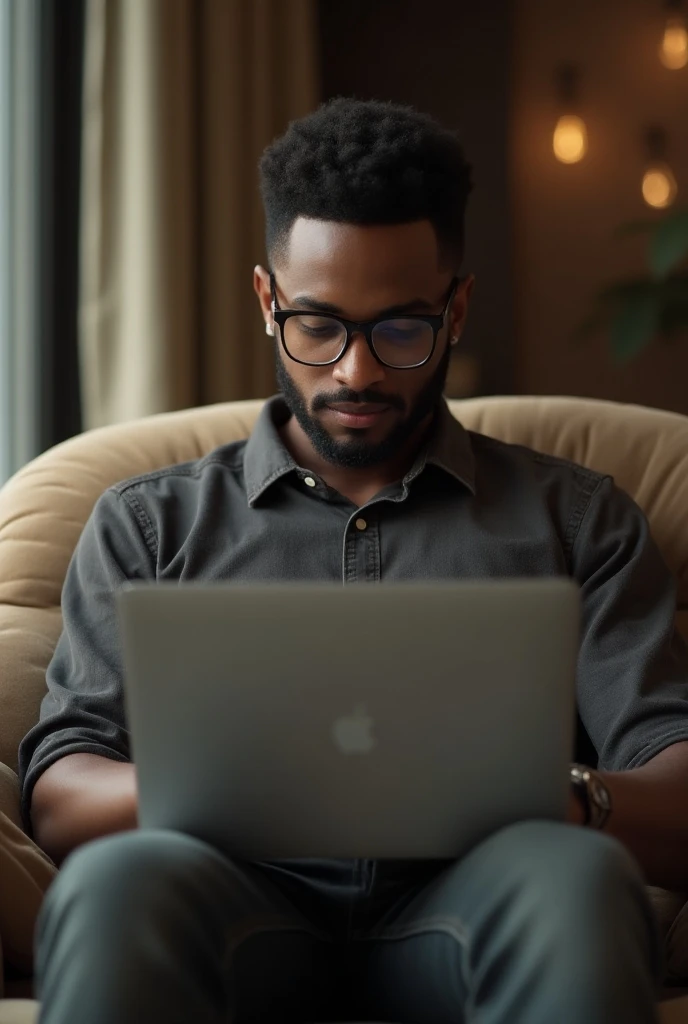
{"x": 180, "y": 98}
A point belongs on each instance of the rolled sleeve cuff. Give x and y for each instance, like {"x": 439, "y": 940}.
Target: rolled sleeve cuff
{"x": 678, "y": 735}
{"x": 44, "y": 759}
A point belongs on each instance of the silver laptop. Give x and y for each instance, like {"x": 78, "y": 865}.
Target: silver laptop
{"x": 376, "y": 721}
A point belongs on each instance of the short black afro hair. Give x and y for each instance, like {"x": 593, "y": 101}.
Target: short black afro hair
{"x": 366, "y": 162}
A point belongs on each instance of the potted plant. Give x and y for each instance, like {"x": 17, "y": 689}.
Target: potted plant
{"x": 639, "y": 310}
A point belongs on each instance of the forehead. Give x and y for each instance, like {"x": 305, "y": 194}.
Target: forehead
{"x": 362, "y": 268}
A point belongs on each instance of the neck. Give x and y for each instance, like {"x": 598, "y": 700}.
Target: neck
{"x": 358, "y": 485}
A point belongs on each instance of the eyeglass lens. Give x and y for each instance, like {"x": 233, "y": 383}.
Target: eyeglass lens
{"x": 315, "y": 339}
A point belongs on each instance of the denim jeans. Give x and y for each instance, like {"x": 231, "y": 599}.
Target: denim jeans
{"x": 540, "y": 923}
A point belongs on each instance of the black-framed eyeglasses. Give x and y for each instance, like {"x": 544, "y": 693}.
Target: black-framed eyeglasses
{"x": 400, "y": 342}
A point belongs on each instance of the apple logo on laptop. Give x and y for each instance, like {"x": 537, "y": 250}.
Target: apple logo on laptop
{"x": 353, "y": 733}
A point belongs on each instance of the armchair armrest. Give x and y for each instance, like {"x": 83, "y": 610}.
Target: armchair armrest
{"x": 18, "y": 1011}
{"x": 10, "y": 804}
{"x": 26, "y": 873}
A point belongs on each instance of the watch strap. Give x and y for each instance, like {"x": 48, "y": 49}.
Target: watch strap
{"x": 593, "y": 794}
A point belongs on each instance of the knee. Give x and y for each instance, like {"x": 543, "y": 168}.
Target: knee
{"x": 569, "y": 851}
{"x": 569, "y": 869}
{"x": 123, "y": 870}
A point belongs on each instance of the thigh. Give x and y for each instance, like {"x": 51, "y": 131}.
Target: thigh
{"x": 530, "y": 908}
{"x": 25, "y": 874}
{"x": 172, "y": 907}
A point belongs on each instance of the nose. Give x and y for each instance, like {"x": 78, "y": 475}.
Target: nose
{"x": 358, "y": 369}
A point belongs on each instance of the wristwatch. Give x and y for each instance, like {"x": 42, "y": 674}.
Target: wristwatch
{"x": 594, "y": 796}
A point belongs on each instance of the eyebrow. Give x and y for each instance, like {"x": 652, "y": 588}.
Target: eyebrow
{"x": 415, "y": 306}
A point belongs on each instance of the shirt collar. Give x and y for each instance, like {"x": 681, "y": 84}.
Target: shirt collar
{"x": 450, "y": 449}
{"x": 266, "y": 459}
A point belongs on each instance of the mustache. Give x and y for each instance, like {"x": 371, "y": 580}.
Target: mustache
{"x": 347, "y": 395}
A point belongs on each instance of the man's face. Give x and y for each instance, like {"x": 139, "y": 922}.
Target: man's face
{"x": 357, "y": 412}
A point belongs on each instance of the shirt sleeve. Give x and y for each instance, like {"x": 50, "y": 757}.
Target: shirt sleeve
{"x": 83, "y": 710}
{"x": 633, "y": 664}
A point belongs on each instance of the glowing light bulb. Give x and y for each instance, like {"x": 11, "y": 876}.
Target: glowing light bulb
{"x": 673, "y": 50}
{"x": 659, "y": 186}
{"x": 570, "y": 142}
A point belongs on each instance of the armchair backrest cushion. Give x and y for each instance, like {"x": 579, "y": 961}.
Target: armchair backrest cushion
{"x": 44, "y": 507}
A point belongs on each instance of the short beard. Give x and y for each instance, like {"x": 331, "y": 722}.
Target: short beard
{"x": 355, "y": 453}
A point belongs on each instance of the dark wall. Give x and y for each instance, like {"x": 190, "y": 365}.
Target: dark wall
{"x": 451, "y": 60}
{"x": 567, "y": 216}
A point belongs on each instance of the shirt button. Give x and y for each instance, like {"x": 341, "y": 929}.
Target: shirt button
{"x": 361, "y": 524}
{"x": 309, "y": 481}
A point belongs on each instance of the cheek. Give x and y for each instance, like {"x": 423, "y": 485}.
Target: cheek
{"x": 306, "y": 381}
{"x": 409, "y": 386}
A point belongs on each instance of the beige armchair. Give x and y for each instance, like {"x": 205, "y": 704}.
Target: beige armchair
{"x": 44, "y": 507}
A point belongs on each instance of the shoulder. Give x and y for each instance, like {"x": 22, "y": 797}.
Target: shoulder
{"x": 596, "y": 516}
{"x": 491, "y": 453}
{"x": 532, "y": 483}
{"x": 227, "y": 460}
{"x": 165, "y": 505}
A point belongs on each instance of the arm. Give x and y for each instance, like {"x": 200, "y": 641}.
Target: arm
{"x": 633, "y": 684}
{"x": 74, "y": 764}
{"x": 82, "y": 797}
{"x": 649, "y": 815}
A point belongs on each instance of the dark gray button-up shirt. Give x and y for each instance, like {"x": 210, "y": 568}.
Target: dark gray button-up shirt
{"x": 469, "y": 507}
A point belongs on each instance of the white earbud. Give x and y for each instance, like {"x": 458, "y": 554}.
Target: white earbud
{"x": 269, "y": 329}
{"x": 454, "y": 340}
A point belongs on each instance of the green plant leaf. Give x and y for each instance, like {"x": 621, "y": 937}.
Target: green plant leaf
{"x": 635, "y": 323}
{"x": 636, "y": 310}
{"x": 669, "y": 244}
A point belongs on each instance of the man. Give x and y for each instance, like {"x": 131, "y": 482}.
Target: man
{"x": 358, "y": 473}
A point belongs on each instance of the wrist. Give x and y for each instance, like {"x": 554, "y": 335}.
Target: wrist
{"x": 592, "y": 795}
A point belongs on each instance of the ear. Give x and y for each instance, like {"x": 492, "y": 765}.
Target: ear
{"x": 459, "y": 310}
{"x": 261, "y": 286}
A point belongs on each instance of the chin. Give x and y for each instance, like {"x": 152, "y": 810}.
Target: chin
{"x": 354, "y": 448}
{"x": 364, "y": 436}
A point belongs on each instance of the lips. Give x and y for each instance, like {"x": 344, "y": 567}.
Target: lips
{"x": 358, "y": 414}
{"x": 359, "y": 408}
